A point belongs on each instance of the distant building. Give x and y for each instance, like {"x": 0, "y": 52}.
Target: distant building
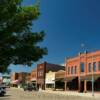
{"x": 33, "y": 77}
{"x": 44, "y": 68}
{"x": 14, "y": 79}
{"x": 79, "y": 72}
{"x": 20, "y": 78}
{"x": 50, "y": 80}
{"x": 24, "y": 77}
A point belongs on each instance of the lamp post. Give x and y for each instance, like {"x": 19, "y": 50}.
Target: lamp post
{"x": 83, "y": 45}
{"x": 92, "y": 77}
{"x": 66, "y": 71}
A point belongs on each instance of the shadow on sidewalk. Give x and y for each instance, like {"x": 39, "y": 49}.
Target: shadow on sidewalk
{"x": 5, "y": 96}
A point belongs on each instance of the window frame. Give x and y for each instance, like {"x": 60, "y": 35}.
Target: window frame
{"x": 82, "y": 67}
{"x": 89, "y": 67}
{"x": 75, "y": 69}
{"x": 94, "y": 67}
{"x": 68, "y": 70}
{"x": 98, "y": 65}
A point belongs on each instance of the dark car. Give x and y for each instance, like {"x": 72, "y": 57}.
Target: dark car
{"x": 2, "y": 90}
{"x": 28, "y": 87}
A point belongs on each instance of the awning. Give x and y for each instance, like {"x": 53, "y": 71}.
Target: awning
{"x": 65, "y": 79}
{"x": 70, "y": 78}
{"x": 33, "y": 79}
{"x": 15, "y": 82}
{"x": 59, "y": 79}
{"x": 89, "y": 77}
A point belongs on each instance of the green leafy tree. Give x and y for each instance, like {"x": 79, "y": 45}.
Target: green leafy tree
{"x": 18, "y": 43}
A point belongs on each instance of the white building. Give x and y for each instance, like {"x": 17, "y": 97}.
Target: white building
{"x": 50, "y": 80}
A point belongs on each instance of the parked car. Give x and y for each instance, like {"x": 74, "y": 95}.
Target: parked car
{"x": 29, "y": 87}
{"x": 2, "y": 90}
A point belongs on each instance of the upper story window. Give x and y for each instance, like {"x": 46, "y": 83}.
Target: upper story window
{"x": 40, "y": 73}
{"x": 40, "y": 66}
{"x": 82, "y": 66}
{"x": 68, "y": 70}
{"x": 75, "y": 69}
{"x": 99, "y": 65}
{"x": 94, "y": 66}
{"x": 89, "y": 67}
{"x": 72, "y": 70}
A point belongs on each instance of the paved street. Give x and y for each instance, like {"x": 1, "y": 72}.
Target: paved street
{"x": 17, "y": 94}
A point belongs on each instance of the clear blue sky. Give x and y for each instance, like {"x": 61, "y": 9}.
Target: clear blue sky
{"x": 68, "y": 24}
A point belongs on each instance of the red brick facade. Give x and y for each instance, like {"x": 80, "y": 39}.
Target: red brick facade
{"x": 22, "y": 77}
{"x": 79, "y": 70}
{"x": 42, "y": 69}
{"x": 33, "y": 75}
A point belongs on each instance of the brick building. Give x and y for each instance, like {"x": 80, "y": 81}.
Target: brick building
{"x": 24, "y": 77}
{"x": 19, "y": 78}
{"x": 44, "y": 68}
{"x": 14, "y": 79}
{"x": 33, "y": 77}
{"x": 79, "y": 72}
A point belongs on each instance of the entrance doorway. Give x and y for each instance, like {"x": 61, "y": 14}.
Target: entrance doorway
{"x": 82, "y": 86}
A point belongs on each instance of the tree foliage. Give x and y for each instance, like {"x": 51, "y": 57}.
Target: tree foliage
{"x": 18, "y": 43}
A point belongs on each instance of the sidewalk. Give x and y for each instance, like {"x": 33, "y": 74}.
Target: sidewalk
{"x": 67, "y": 93}
{"x": 16, "y": 88}
{"x": 73, "y": 93}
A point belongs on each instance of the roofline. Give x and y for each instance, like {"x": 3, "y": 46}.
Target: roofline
{"x": 51, "y": 63}
{"x": 74, "y": 57}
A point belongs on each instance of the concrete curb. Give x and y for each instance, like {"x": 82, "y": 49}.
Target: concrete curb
{"x": 68, "y": 93}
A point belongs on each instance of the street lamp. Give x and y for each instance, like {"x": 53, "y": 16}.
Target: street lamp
{"x": 65, "y": 72}
{"x": 92, "y": 77}
{"x": 83, "y": 45}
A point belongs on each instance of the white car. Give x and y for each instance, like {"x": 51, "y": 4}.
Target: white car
{"x": 2, "y": 90}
